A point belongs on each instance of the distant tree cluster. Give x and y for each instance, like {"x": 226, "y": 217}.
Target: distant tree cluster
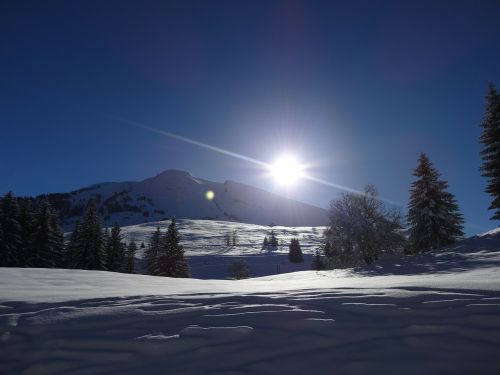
{"x": 270, "y": 243}
{"x": 92, "y": 248}
{"x": 164, "y": 255}
{"x": 231, "y": 238}
{"x": 31, "y": 237}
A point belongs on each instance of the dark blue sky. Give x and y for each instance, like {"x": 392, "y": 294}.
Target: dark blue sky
{"x": 359, "y": 88}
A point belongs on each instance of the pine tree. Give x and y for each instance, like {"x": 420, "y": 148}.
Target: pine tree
{"x": 74, "y": 246}
{"x": 27, "y": 225}
{"x": 327, "y": 250}
{"x": 239, "y": 269}
{"x": 265, "y": 243}
{"x": 234, "y": 238}
{"x": 171, "y": 260}
{"x": 295, "y": 252}
{"x": 490, "y": 154}
{"x": 433, "y": 214}
{"x": 317, "y": 262}
{"x": 273, "y": 241}
{"x": 10, "y": 242}
{"x": 152, "y": 251}
{"x": 48, "y": 241}
{"x": 115, "y": 250}
{"x": 89, "y": 255}
{"x": 129, "y": 257}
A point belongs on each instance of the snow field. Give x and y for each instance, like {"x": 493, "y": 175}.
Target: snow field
{"x": 438, "y": 313}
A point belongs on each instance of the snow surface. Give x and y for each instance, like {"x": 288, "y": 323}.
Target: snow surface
{"x": 209, "y": 256}
{"x": 437, "y": 313}
{"x": 492, "y": 232}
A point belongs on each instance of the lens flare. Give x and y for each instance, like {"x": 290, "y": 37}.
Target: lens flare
{"x": 210, "y": 195}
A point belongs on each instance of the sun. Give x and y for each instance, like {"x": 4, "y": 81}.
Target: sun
{"x": 287, "y": 170}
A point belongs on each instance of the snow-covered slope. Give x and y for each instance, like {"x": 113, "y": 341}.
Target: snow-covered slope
{"x": 177, "y": 193}
{"x": 434, "y": 314}
{"x": 209, "y": 255}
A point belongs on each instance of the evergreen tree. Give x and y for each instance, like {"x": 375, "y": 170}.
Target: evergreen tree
{"x": 227, "y": 239}
{"x": 273, "y": 241}
{"x": 48, "y": 240}
{"x": 234, "y": 238}
{"x": 327, "y": 250}
{"x": 10, "y": 242}
{"x": 239, "y": 270}
{"x": 151, "y": 253}
{"x": 490, "y": 154}
{"x": 433, "y": 214}
{"x": 129, "y": 257}
{"x": 27, "y": 226}
{"x": 317, "y": 262}
{"x": 115, "y": 250}
{"x": 89, "y": 255}
{"x": 295, "y": 252}
{"x": 265, "y": 243}
{"x": 74, "y": 246}
{"x": 171, "y": 260}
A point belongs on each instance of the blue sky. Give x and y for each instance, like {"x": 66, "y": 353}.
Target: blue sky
{"x": 357, "y": 89}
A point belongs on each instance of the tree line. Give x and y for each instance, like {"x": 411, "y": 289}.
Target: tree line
{"x": 30, "y": 236}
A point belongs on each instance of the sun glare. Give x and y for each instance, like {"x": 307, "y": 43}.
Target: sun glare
{"x": 287, "y": 170}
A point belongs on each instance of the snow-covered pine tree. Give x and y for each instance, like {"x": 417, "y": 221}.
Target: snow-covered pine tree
{"x": 317, "y": 263}
{"x": 152, "y": 251}
{"x": 129, "y": 257}
{"x": 90, "y": 255}
{"x": 490, "y": 154}
{"x": 433, "y": 214}
{"x": 171, "y": 260}
{"x": 115, "y": 250}
{"x": 10, "y": 242}
{"x": 295, "y": 252}
{"x": 48, "y": 241}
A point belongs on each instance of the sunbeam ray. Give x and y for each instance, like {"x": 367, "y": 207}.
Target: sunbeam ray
{"x": 242, "y": 157}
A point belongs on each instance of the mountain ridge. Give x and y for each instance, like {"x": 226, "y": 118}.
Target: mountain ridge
{"x": 176, "y": 193}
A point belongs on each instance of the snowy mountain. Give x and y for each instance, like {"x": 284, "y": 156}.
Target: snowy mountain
{"x": 177, "y": 193}
{"x": 438, "y": 313}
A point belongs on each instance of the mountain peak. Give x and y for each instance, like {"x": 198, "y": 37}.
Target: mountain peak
{"x": 175, "y": 173}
